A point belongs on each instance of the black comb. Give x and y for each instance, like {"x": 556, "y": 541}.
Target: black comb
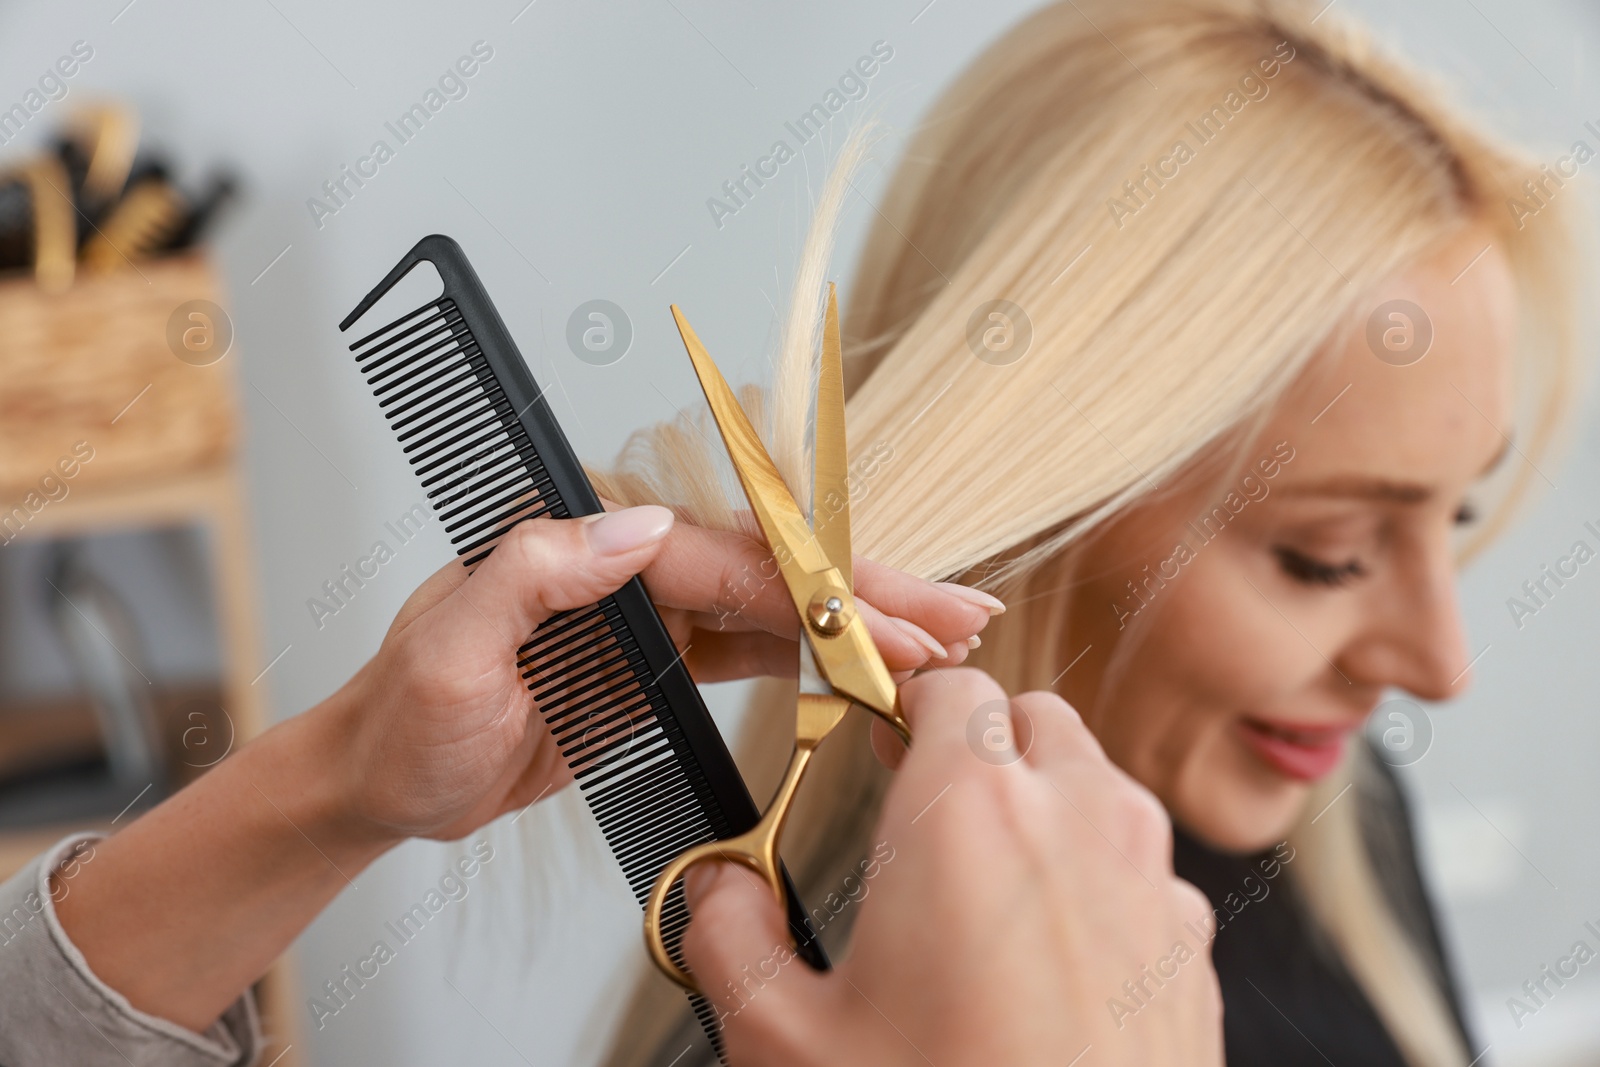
{"x": 608, "y": 680}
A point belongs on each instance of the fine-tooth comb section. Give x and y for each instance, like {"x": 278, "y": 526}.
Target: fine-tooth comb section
{"x": 607, "y": 679}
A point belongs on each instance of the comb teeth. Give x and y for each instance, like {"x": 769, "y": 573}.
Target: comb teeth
{"x": 457, "y": 428}
{"x": 588, "y": 675}
{"x": 607, "y": 678}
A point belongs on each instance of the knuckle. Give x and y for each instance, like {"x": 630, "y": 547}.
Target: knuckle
{"x": 1143, "y": 819}
{"x": 739, "y": 580}
{"x": 1188, "y": 900}
{"x": 968, "y": 686}
{"x": 527, "y": 543}
{"x": 1046, "y": 702}
{"x": 1064, "y": 722}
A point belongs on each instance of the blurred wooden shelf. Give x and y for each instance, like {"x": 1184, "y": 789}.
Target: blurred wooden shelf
{"x": 97, "y": 364}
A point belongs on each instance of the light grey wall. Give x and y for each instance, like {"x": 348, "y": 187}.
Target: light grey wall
{"x": 1510, "y": 802}
{"x": 578, "y": 166}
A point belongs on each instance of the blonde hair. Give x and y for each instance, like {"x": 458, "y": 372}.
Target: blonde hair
{"x": 1171, "y": 303}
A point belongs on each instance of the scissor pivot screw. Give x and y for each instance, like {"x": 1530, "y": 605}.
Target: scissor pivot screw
{"x": 830, "y": 613}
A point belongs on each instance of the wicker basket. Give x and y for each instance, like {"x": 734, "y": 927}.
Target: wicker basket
{"x": 94, "y": 364}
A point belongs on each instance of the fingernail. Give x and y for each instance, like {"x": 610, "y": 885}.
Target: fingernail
{"x": 921, "y": 637}
{"x": 618, "y": 532}
{"x": 974, "y": 641}
{"x": 994, "y": 605}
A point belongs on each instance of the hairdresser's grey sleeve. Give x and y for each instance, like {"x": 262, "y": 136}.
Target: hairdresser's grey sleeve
{"x": 54, "y": 1011}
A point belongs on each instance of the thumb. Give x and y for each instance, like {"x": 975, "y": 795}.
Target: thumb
{"x": 545, "y": 565}
{"x": 742, "y": 956}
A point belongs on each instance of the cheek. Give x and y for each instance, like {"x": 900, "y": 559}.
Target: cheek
{"x": 1167, "y": 678}
{"x": 1209, "y": 649}
{"x": 1225, "y": 635}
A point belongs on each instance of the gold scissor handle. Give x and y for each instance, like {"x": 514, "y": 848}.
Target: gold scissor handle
{"x": 757, "y": 847}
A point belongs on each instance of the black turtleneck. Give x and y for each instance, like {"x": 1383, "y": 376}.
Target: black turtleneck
{"x": 1287, "y": 997}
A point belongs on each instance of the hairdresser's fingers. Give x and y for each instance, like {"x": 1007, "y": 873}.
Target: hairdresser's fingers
{"x": 1193, "y": 906}
{"x": 1131, "y": 817}
{"x": 738, "y": 947}
{"x": 726, "y": 657}
{"x": 680, "y": 625}
{"x": 1047, "y": 735}
{"x": 886, "y": 744}
{"x": 726, "y": 576}
{"x": 734, "y": 582}
{"x": 548, "y": 565}
{"x": 949, "y": 611}
{"x": 1054, "y": 736}
{"x": 940, "y": 707}
{"x": 544, "y": 772}
{"x": 903, "y": 645}
{"x": 713, "y": 657}
{"x": 1054, "y": 741}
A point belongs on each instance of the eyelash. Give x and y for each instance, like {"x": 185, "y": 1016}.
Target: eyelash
{"x": 1310, "y": 571}
{"x": 1305, "y": 569}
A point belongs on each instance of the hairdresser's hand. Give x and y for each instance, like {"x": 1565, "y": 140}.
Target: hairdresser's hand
{"x": 446, "y": 736}
{"x": 726, "y": 605}
{"x": 435, "y": 736}
{"x": 1005, "y": 908}
{"x": 443, "y": 733}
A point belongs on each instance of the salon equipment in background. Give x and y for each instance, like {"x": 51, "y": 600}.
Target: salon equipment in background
{"x": 119, "y": 446}
{"x": 97, "y": 149}
{"x": 608, "y": 680}
{"x": 98, "y": 739}
{"x": 103, "y": 642}
{"x": 98, "y": 204}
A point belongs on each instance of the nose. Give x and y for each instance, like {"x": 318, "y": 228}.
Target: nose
{"x": 1412, "y": 637}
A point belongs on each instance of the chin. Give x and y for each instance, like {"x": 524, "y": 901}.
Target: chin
{"x": 1231, "y": 803}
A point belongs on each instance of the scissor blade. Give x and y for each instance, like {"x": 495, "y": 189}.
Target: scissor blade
{"x": 780, "y": 518}
{"x": 849, "y": 660}
{"x": 811, "y": 678}
{"x": 830, "y": 493}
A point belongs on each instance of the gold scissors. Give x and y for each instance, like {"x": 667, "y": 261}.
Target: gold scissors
{"x": 839, "y": 664}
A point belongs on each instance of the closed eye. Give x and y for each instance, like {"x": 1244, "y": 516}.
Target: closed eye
{"x": 1312, "y": 571}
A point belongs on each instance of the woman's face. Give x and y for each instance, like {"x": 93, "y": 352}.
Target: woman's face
{"x": 1256, "y": 652}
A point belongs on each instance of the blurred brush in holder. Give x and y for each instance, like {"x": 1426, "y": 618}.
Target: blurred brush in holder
{"x": 98, "y": 204}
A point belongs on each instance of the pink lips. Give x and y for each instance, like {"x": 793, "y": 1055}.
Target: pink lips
{"x": 1303, "y": 753}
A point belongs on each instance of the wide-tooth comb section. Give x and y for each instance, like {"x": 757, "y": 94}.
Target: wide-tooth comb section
{"x": 606, "y": 678}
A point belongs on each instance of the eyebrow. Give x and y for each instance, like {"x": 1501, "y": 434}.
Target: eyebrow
{"x": 1360, "y": 487}
{"x": 1364, "y": 487}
